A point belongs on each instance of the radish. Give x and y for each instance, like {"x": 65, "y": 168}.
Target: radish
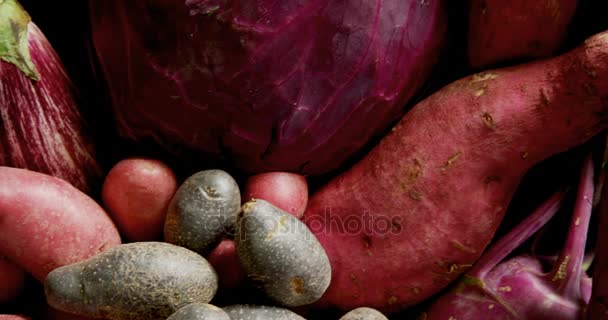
{"x": 519, "y": 288}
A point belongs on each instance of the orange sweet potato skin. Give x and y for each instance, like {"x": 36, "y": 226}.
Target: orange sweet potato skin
{"x": 431, "y": 195}
{"x": 45, "y": 222}
{"x": 504, "y": 30}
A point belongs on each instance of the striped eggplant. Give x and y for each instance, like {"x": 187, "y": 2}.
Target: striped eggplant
{"x": 41, "y": 128}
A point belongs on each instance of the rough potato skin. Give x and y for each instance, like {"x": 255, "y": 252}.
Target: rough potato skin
{"x": 280, "y": 254}
{"x": 437, "y": 187}
{"x": 202, "y": 210}
{"x": 45, "y": 222}
{"x": 257, "y": 312}
{"x": 199, "y": 311}
{"x": 504, "y": 30}
{"x": 364, "y": 313}
{"x": 135, "y": 281}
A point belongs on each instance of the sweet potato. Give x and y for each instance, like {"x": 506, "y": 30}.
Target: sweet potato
{"x": 503, "y": 286}
{"x": 504, "y": 30}
{"x": 421, "y": 207}
{"x": 287, "y": 191}
{"x": 136, "y": 193}
{"x": 12, "y": 280}
{"x": 46, "y": 223}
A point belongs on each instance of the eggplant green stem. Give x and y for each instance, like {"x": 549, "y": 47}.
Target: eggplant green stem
{"x": 14, "y": 44}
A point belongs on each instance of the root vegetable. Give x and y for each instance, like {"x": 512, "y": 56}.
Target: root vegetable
{"x": 429, "y": 198}
{"x": 199, "y": 311}
{"x": 202, "y": 211}
{"x": 364, "y": 313}
{"x": 280, "y": 254}
{"x": 255, "y": 312}
{"x": 45, "y": 222}
{"x": 506, "y": 30}
{"x": 135, "y": 281}
{"x": 137, "y": 193}
{"x": 520, "y": 288}
{"x": 287, "y": 191}
{"x": 227, "y": 264}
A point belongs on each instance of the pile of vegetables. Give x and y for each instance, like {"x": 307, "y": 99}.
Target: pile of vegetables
{"x": 352, "y": 160}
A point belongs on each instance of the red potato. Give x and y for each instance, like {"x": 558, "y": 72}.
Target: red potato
{"x": 504, "y": 30}
{"x": 46, "y": 223}
{"x": 137, "y": 193}
{"x": 422, "y": 206}
{"x": 12, "y": 280}
{"x": 226, "y": 263}
{"x": 287, "y": 191}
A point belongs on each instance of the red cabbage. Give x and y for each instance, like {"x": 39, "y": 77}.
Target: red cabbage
{"x": 290, "y": 85}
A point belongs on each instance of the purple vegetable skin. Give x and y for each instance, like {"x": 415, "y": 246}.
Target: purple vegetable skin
{"x": 41, "y": 128}
{"x": 519, "y": 288}
{"x": 598, "y": 304}
{"x": 289, "y": 85}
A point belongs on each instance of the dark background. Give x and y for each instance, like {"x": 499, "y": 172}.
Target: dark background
{"x": 66, "y": 25}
